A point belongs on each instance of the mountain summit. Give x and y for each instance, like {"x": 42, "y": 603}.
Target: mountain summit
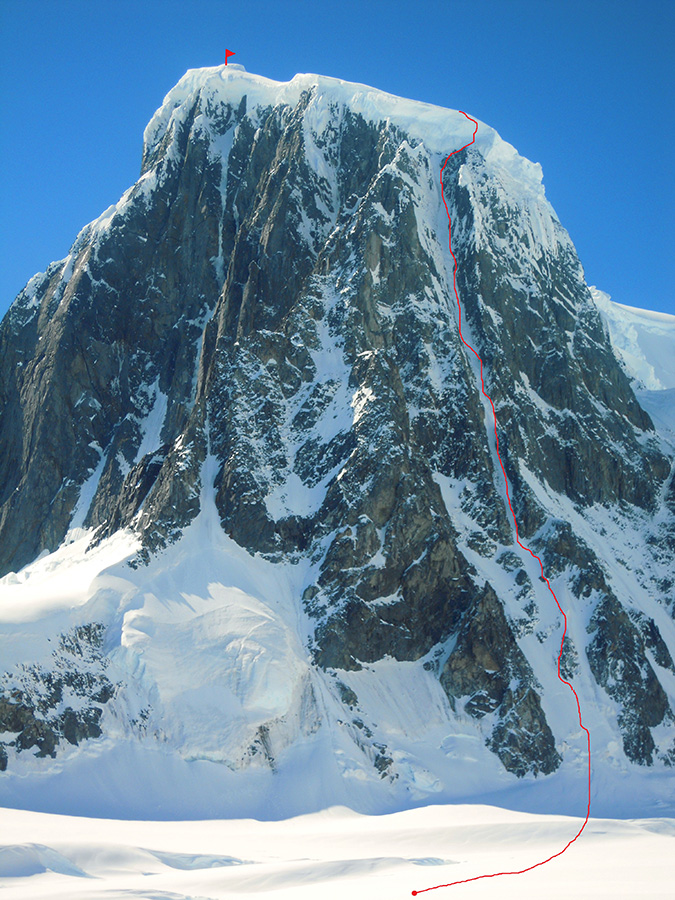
{"x": 253, "y": 529}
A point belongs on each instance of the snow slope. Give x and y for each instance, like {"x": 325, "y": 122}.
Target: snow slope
{"x": 332, "y": 854}
{"x": 644, "y": 342}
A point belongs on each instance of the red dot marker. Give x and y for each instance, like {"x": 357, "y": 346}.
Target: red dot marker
{"x": 228, "y": 54}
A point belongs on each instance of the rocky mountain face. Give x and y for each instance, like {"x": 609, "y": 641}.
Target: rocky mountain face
{"x": 258, "y": 345}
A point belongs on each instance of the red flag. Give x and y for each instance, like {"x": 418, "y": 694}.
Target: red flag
{"x": 228, "y": 53}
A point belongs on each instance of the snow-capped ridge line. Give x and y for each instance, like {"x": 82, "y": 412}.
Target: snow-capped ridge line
{"x": 436, "y": 126}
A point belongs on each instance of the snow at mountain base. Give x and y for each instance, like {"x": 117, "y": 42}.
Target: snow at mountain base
{"x": 333, "y": 854}
{"x": 214, "y": 639}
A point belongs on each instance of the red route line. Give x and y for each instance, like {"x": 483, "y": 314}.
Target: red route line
{"x": 534, "y": 555}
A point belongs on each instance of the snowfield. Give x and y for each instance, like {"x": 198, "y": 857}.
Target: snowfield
{"x": 332, "y": 854}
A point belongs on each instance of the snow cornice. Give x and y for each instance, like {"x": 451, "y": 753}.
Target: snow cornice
{"x": 438, "y": 128}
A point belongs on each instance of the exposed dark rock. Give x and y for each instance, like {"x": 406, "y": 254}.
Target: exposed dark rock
{"x": 569, "y": 660}
{"x": 653, "y": 640}
{"x": 616, "y": 654}
{"x": 488, "y": 667}
{"x": 35, "y": 702}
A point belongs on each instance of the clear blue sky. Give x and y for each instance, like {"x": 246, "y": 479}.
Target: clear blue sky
{"x": 584, "y": 88}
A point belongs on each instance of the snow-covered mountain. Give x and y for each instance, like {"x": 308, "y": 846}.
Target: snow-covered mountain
{"x": 256, "y": 552}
